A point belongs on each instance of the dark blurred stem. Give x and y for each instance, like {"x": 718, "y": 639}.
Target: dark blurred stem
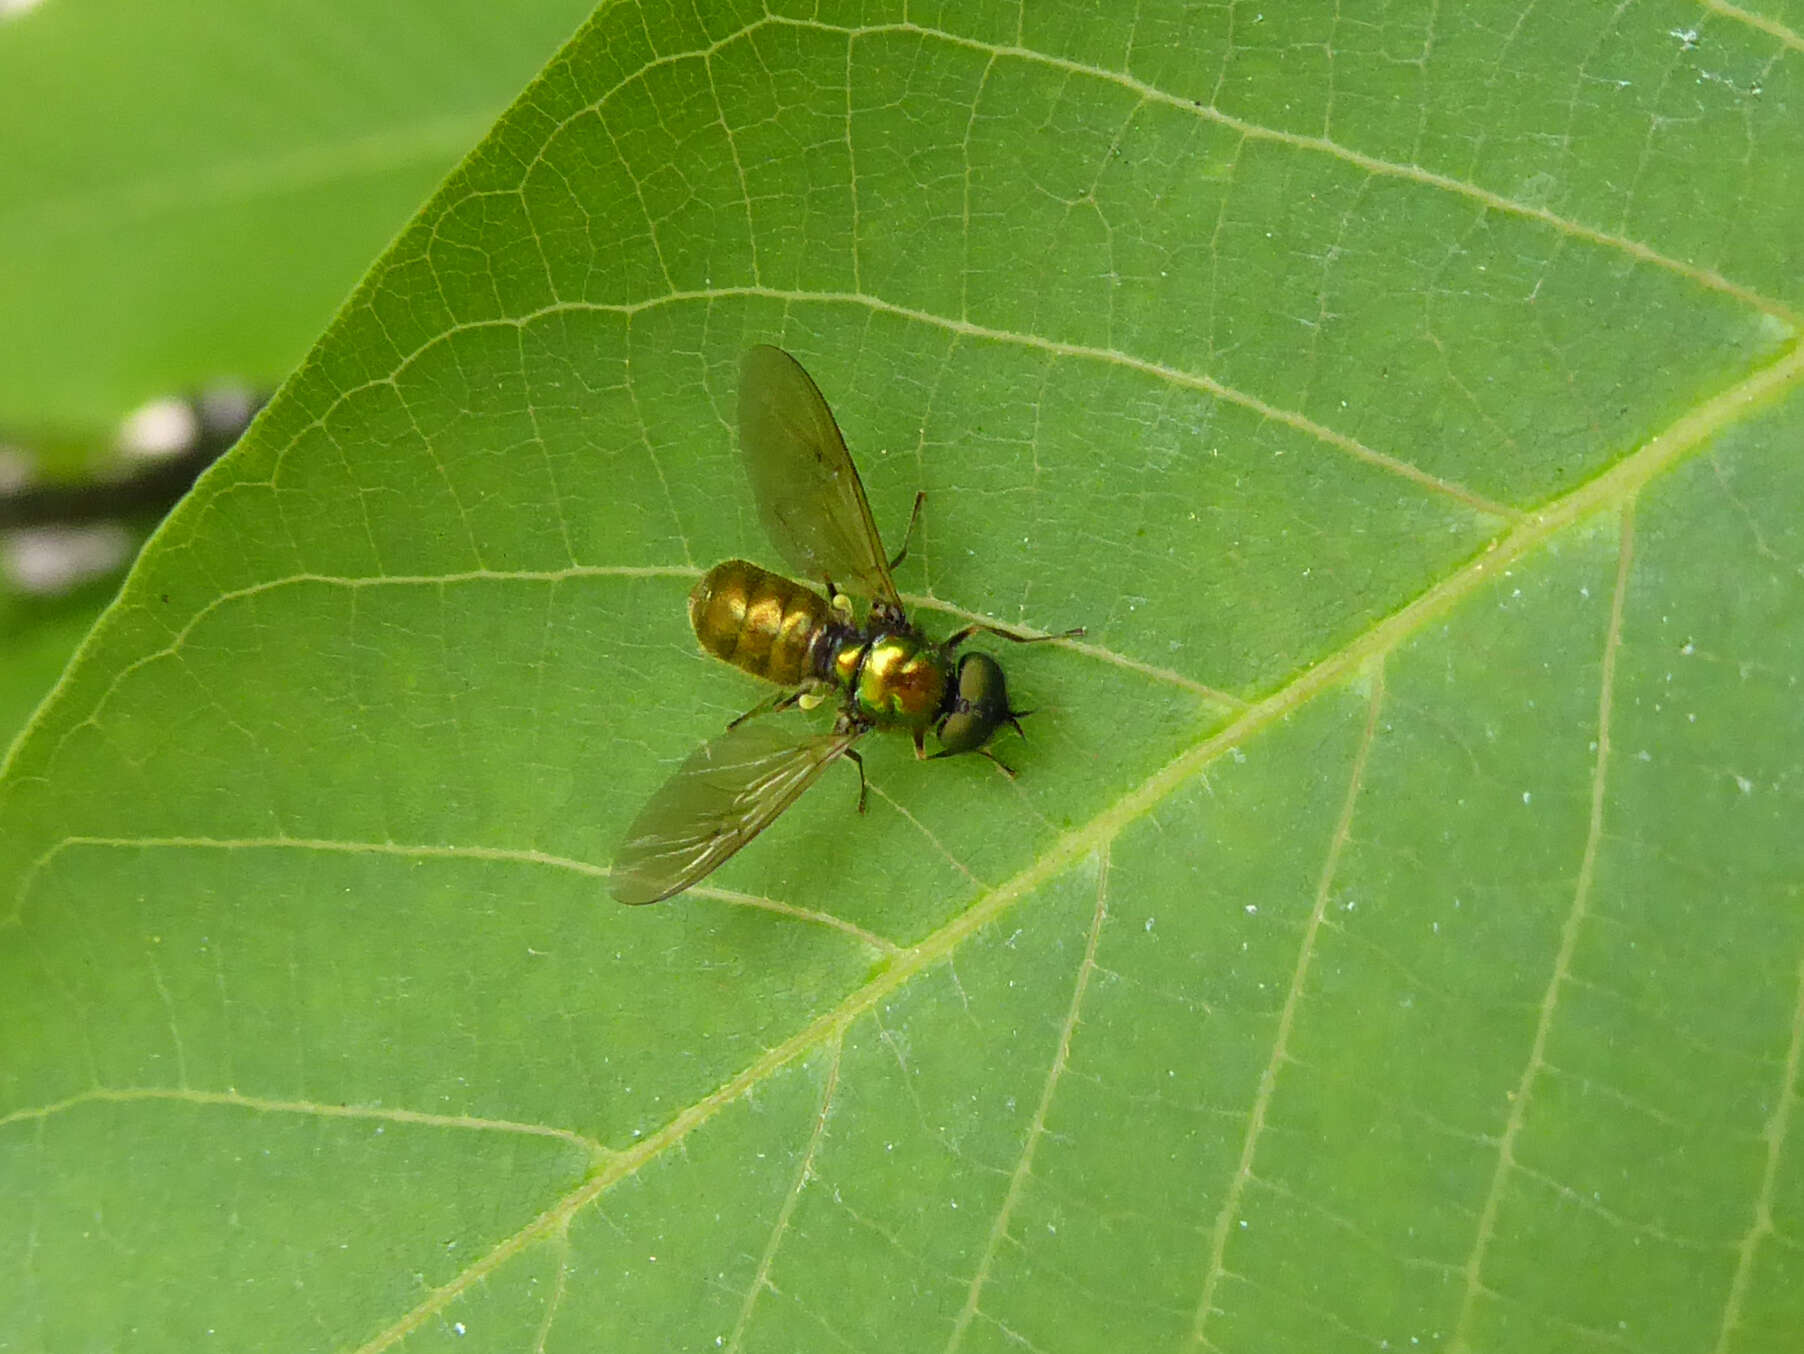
{"x": 157, "y": 489}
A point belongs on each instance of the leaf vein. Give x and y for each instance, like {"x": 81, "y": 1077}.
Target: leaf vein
{"x": 127, "y": 1095}
{"x": 1371, "y": 164}
{"x": 1771, "y": 27}
{"x": 1293, "y": 1000}
{"x": 1778, "y": 1124}
{"x": 1036, "y": 1129}
{"x": 425, "y": 850}
{"x": 1570, "y": 928}
{"x": 683, "y": 571}
{"x": 804, "y": 1173}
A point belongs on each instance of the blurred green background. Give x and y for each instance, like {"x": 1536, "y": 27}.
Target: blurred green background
{"x": 187, "y": 194}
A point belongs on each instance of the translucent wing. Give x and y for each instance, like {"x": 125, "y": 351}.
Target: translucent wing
{"x": 809, "y": 496}
{"x": 730, "y": 790}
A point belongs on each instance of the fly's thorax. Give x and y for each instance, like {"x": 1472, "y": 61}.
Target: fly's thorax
{"x": 894, "y": 678}
{"x": 760, "y": 622}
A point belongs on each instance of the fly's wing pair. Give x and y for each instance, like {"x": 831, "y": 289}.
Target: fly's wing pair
{"x": 809, "y": 496}
{"x": 730, "y": 790}
{"x": 814, "y": 509}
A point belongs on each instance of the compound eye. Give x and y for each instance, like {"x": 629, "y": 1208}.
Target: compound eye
{"x": 960, "y": 732}
{"x": 980, "y": 705}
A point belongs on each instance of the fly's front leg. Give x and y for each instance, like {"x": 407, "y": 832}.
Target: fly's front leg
{"x": 961, "y": 636}
{"x": 1003, "y": 766}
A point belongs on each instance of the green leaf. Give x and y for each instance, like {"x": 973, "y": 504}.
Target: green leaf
{"x": 1394, "y": 934}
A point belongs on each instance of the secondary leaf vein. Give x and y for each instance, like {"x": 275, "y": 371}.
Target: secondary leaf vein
{"x": 1036, "y": 1129}
{"x": 1569, "y": 934}
{"x": 1778, "y": 1124}
{"x": 1293, "y": 1000}
{"x": 804, "y": 1173}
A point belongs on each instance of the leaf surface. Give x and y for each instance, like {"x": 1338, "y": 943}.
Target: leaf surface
{"x": 1394, "y": 935}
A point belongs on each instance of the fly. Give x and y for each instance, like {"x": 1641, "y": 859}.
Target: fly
{"x": 886, "y": 672}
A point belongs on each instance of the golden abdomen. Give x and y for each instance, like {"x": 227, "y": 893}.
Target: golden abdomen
{"x": 758, "y": 621}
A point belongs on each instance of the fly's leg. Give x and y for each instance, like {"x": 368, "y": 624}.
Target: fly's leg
{"x": 1003, "y": 766}
{"x": 961, "y": 636}
{"x": 857, "y": 759}
{"x": 850, "y": 722}
{"x": 908, "y": 536}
